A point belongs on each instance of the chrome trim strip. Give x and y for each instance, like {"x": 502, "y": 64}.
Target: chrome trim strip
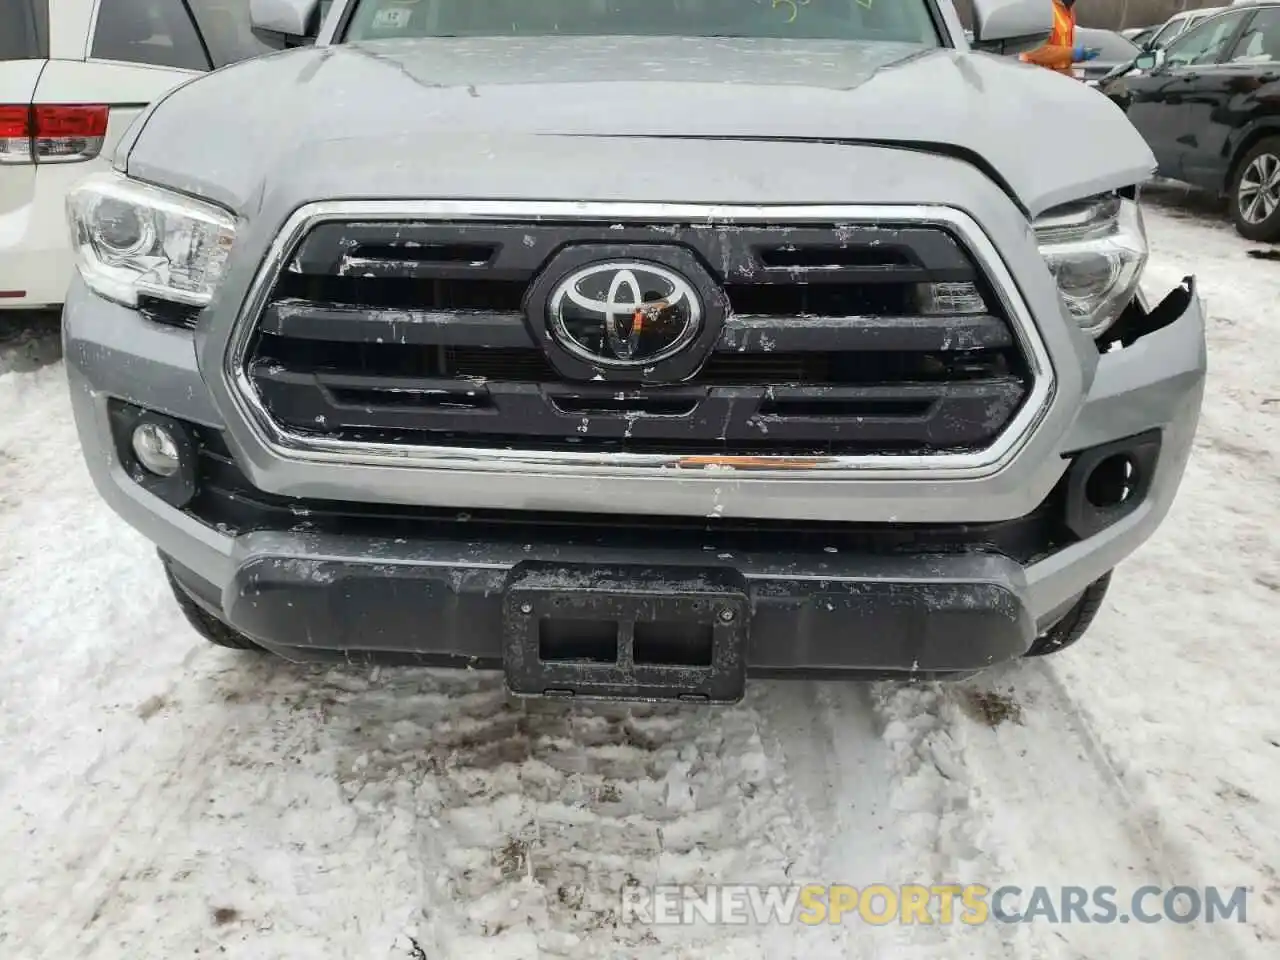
{"x": 299, "y": 448}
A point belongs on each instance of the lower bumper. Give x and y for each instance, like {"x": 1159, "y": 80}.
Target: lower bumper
{"x": 445, "y": 604}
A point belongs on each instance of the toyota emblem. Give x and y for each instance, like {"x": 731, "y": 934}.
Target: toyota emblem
{"x": 624, "y": 313}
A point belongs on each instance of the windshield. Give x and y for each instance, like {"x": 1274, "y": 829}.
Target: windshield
{"x": 1169, "y": 31}
{"x": 902, "y": 21}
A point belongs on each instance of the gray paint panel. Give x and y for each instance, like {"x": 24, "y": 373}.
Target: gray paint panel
{"x": 385, "y": 98}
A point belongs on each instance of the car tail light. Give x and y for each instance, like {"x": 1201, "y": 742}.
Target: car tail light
{"x": 65, "y": 134}
{"x": 15, "y": 134}
{"x": 52, "y": 133}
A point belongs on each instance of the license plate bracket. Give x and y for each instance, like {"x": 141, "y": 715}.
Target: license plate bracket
{"x": 625, "y": 633}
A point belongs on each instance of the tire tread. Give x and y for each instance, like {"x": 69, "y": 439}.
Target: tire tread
{"x": 205, "y": 623}
{"x": 1073, "y": 626}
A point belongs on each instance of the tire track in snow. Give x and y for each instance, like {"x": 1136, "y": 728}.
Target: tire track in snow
{"x": 96, "y": 881}
{"x": 912, "y": 790}
{"x": 1057, "y": 815}
{"x": 230, "y": 807}
{"x": 946, "y": 831}
{"x": 535, "y": 815}
{"x": 883, "y": 772}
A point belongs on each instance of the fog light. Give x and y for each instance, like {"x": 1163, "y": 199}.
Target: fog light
{"x": 159, "y": 453}
{"x": 156, "y": 449}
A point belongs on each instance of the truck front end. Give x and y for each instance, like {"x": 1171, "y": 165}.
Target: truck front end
{"x": 632, "y": 411}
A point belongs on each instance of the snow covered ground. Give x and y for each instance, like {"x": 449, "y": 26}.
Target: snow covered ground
{"x": 162, "y": 798}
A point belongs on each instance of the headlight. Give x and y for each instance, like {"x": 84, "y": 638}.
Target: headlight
{"x": 132, "y": 239}
{"x": 1096, "y": 249}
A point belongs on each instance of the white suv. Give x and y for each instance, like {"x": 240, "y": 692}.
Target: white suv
{"x": 1179, "y": 24}
{"x": 73, "y": 75}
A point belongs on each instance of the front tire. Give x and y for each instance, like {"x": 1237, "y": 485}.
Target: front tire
{"x": 205, "y": 623}
{"x": 1255, "y": 192}
{"x": 1072, "y": 627}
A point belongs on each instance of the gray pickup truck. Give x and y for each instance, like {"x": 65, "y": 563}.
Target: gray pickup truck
{"x": 633, "y": 347}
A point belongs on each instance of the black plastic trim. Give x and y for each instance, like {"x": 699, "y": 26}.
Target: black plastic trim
{"x": 453, "y": 612}
{"x": 891, "y": 253}
{"x": 177, "y": 490}
{"x": 169, "y": 313}
{"x": 227, "y": 500}
{"x": 344, "y": 323}
{"x": 933, "y": 416}
{"x": 756, "y": 334}
{"x": 705, "y": 615}
{"x": 1085, "y": 518}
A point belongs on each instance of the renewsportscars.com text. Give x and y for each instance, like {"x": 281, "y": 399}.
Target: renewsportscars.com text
{"x": 969, "y": 904}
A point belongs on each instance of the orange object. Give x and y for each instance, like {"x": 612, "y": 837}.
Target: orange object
{"x": 1059, "y": 52}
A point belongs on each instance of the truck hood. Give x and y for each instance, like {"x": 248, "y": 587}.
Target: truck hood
{"x": 1044, "y": 138}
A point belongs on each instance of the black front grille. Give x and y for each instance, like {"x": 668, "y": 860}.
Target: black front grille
{"x": 415, "y": 333}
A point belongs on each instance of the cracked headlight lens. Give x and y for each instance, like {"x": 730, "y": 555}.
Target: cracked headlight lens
{"x": 1096, "y": 250}
{"x": 135, "y": 240}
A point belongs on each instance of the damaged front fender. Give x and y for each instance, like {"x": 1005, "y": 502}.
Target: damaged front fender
{"x": 1151, "y": 374}
{"x": 1141, "y": 319}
